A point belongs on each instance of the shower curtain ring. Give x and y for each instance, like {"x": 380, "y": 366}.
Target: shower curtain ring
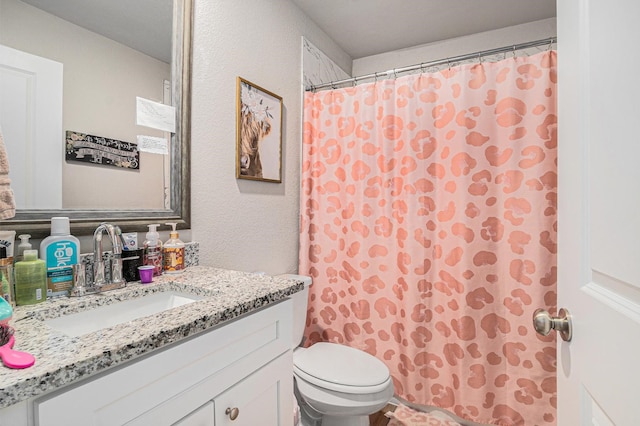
{"x": 395, "y": 74}
{"x": 449, "y": 64}
{"x": 550, "y": 44}
{"x": 514, "y": 50}
{"x": 355, "y": 81}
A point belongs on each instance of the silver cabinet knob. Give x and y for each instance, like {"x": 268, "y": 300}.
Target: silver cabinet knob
{"x": 232, "y": 413}
{"x": 543, "y": 323}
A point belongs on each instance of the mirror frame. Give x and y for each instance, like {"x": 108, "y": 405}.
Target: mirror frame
{"x": 84, "y": 222}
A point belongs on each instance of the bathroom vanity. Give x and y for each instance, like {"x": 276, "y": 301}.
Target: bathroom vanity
{"x": 222, "y": 358}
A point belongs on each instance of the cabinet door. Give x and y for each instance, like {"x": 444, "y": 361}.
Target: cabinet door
{"x": 203, "y": 416}
{"x": 263, "y": 398}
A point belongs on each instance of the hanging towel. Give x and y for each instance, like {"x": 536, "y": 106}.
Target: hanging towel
{"x": 7, "y": 202}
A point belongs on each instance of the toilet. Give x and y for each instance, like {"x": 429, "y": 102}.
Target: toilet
{"x": 335, "y": 385}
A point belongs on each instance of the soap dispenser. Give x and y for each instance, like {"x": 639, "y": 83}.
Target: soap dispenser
{"x": 24, "y": 245}
{"x": 31, "y": 279}
{"x": 153, "y": 250}
{"x": 173, "y": 252}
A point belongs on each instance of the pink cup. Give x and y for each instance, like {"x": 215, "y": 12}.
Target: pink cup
{"x": 146, "y": 273}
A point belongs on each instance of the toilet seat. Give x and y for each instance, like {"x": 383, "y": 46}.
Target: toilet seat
{"x": 341, "y": 368}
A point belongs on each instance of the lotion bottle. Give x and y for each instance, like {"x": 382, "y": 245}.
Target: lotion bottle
{"x": 173, "y": 252}
{"x": 31, "y": 279}
{"x": 153, "y": 250}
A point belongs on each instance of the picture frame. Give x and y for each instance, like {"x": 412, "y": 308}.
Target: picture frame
{"x": 258, "y": 133}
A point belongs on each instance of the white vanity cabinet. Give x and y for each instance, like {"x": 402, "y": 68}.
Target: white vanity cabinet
{"x": 242, "y": 368}
{"x": 253, "y": 401}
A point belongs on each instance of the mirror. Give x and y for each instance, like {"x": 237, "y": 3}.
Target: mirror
{"x": 173, "y": 179}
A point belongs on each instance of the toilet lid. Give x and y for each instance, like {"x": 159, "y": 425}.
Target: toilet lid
{"x": 330, "y": 363}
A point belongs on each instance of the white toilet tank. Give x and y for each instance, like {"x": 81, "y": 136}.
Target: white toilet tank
{"x": 300, "y": 301}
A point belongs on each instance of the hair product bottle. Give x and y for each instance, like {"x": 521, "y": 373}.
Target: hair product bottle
{"x": 6, "y": 278}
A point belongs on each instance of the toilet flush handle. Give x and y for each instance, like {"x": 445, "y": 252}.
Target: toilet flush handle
{"x": 232, "y": 413}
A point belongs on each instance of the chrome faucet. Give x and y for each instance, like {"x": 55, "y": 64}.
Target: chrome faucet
{"x": 99, "y": 283}
{"x": 117, "y": 242}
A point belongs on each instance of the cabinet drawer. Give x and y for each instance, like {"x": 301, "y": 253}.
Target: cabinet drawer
{"x": 121, "y": 396}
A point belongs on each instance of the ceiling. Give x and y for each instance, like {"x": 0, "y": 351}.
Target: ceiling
{"x": 369, "y": 27}
{"x": 360, "y": 27}
{"x": 144, "y": 25}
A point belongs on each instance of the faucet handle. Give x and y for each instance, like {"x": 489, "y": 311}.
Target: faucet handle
{"x": 79, "y": 281}
{"x": 116, "y": 270}
{"x": 98, "y": 272}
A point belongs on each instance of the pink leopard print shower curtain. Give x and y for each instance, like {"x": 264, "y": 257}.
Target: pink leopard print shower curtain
{"x": 428, "y": 224}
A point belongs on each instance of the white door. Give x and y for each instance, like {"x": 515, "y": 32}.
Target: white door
{"x": 31, "y": 122}
{"x": 599, "y": 211}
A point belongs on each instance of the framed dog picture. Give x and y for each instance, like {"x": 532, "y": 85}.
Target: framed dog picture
{"x": 259, "y": 133}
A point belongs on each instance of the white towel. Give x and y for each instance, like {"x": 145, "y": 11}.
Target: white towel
{"x": 7, "y": 202}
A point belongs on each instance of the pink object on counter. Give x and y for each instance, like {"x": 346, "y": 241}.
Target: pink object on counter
{"x": 11, "y": 358}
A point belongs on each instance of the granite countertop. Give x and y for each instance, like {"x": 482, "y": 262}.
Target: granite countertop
{"x": 62, "y": 360}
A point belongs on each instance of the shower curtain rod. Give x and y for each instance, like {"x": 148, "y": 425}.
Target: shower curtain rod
{"x": 395, "y": 71}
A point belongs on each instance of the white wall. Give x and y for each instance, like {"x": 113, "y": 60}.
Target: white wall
{"x": 253, "y": 226}
{"x": 249, "y": 225}
{"x": 241, "y": 224}
{"x": 537, "y": 30}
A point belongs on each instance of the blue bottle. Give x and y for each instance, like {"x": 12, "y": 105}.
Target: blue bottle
{"x": 59, "y": 252}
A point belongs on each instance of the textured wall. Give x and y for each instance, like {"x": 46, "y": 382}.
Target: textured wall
{"x": 242, "y": 224}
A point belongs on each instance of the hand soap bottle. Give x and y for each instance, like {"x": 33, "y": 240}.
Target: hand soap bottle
{"x": 153, "y": 250}
{"x": 60, "y": 253}
{"x": 31, "y": 279}
{"x": 24, "y": 245}
{"x": 173, "y": 252}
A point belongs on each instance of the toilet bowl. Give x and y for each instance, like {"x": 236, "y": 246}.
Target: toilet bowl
{"x": 342, "y": 384}
{"x": 335, "y": 385}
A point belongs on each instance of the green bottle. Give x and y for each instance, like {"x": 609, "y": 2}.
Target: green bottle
{"x": 30, "y": 279}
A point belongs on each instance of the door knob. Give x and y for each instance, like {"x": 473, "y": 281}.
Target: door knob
{"x": 232, "y": 413}
{"x": 543, "y": 323}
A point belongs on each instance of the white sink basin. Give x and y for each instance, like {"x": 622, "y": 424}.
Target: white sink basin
{"x": 119, "y": 312}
